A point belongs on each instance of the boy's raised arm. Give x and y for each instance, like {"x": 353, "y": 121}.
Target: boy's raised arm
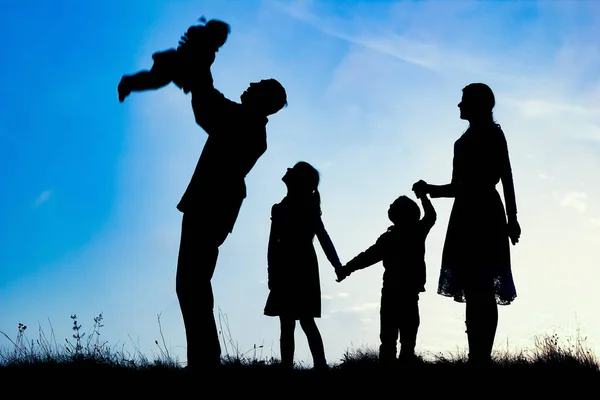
{"x": 430, "y": 215}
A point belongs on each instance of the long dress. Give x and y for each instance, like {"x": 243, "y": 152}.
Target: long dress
{"x": 477, "y": 249}
{"x": 293, "y": 269}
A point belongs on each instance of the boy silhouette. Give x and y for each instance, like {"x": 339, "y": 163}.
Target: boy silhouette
{"x": 402, "y": 250}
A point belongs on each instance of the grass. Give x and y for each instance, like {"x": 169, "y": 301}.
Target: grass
{"x": 86, "y": 364}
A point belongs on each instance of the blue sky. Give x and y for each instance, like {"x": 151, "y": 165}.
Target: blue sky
{"x": 88, "y": 213}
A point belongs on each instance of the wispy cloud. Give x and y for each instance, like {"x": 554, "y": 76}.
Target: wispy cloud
{"x": 444, "y": 57}
{"x": 357, "y": 309}
{"x": 42, "y": 198}
{"x": 429, "y": 55}
{"x": 335, "y": 296}
{"x": 576, "y": 200}
{"x": 540, "y": 107}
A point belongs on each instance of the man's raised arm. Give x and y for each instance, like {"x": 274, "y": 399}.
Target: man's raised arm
{"x": 211, "y": 108}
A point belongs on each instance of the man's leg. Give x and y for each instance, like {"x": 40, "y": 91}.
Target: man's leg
{"x": 388, "y": 329}
{"x": 198, "y": 252}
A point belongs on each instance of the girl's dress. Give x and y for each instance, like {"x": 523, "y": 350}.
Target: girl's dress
{"x": 295, "y": 288}
{"x": 476, "y": 250}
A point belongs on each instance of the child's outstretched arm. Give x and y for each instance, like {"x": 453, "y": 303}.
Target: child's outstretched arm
{"x": 369, "y": 257}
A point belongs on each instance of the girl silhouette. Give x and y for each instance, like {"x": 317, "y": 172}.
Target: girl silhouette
{"x": 294, "y": 285}
{"x": 476, "y": 266}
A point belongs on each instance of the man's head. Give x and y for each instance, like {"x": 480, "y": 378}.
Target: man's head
{"x": 267, "y": 96}
{"x": 404, "y": 211}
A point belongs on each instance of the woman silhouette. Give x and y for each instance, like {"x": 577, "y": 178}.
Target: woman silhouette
{"x": 295, "y": 289}
{"x": 476, "y": 266}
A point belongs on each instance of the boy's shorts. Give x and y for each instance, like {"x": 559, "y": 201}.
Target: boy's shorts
{"x": 167, "y": 63}
{"x": 170, "y": 63}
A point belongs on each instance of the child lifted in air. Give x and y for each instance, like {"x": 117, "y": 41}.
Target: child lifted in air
{"x": 172, "y": 65}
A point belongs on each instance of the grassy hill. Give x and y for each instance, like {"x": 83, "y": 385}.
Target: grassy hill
{"x": 85, "y": 367}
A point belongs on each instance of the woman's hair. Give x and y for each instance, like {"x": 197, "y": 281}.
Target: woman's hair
{"x": 483, "y": 96}
{"x": 309, "y": 180}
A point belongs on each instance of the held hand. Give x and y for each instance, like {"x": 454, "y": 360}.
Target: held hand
{"x": 420, "y": 188}
{"x": 341, "y": 274}
{"x": 420, "y": 193}
{"x": 514, "y": 230}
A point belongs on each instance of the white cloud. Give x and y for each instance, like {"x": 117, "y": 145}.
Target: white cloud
{"x": 428, "y": 55}
{"x": 42, "y": 198}
{"x": 544, "y": 107}
{"x": 335, "y": 296}
{"x": 595, "y": 221}
{"x": 576, "y": 200}
{"x": 357, "y": 309}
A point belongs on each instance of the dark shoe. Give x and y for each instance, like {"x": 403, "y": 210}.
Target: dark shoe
{"x": 387, "y": 356}
{"x": 388, "y": 362}
{"x": 406, "y": 359}
{"x": 285, "y": 366}
{"x": 204, "y": 365}
{"x": 321, "y": 367}
{"x": 479, "y": 361}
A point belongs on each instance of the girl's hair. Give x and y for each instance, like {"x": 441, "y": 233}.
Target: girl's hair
{"x": 317, "y": 200}
{"x": 309, "y": 179}
{"x": 484, "y": 97}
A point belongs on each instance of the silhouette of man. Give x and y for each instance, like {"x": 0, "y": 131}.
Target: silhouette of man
{"x": 210, "y": 205}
